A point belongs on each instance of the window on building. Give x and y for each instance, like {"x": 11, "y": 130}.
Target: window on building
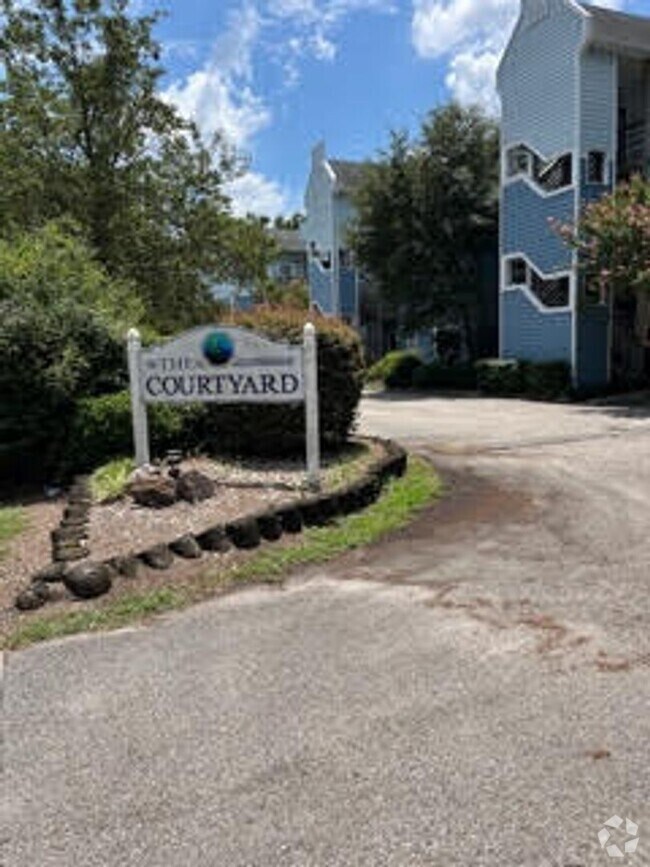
{"x": 517, "y": 272}
{"x": 551, "y": 293}
{"x": 518, "y": 161}
{"x": 596, "y": 167}
{"x": 550, "y": 176}
{"x": 557, "y": 174}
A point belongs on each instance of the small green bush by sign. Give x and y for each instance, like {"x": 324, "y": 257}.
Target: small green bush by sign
{"x": 395, "y": 369}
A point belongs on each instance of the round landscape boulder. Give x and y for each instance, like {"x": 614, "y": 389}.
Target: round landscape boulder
{"x": 187, "y": 547}
{"x": 89, "y": 580}
{"x": 194, "y": 487}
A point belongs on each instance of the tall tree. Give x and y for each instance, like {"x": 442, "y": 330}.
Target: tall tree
{"x": 426, "y": 210}
{"x": 85, "y": 133}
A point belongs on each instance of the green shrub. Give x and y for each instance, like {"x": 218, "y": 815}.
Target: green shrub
{"x": 546, "y": 380}
{"x": 268, "y": 429}
{"x": 101, "y": 430}
{"x": 499, "y": 376}
{"x": 536, "y": 379}
{"x": 460, "y": 377}
{"x": 62, "y": 321}
{"x": 395, "y": 369}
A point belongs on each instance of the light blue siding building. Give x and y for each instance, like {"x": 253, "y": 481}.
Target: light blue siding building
{"x": 336, "y": 286}
{"x": 575, "y": 92}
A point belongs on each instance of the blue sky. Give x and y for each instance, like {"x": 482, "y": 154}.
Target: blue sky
{"x": 278, "y": 75}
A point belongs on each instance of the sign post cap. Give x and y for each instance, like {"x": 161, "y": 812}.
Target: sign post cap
{"x": 309, "y": 329}
{"x": 133, "y": 334}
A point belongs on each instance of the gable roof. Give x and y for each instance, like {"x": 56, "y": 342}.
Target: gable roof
{"x": 618, "y": 29}
{"x": 348, "y": 174}
{"x": 288, "y": 240}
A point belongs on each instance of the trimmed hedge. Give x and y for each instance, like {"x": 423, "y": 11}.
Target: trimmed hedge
{"x": 395, "y": 369}
{"x": 460, "y": 377}
{"x": 544, "y": 380}
{"x": 101, "y": 428}
{"x": 499, "y": 376}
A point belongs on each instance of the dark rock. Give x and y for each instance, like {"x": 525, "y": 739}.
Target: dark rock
{"x": 76, "y": 512}
{"x": 319, "y": 509}
{"x": 28, "y": 600}
{"x": 50, "y": 574}
{"x": 69, "y": 553}
{"x": 126, "y": 566}
{"x": 69, "y": 534}
{"x": 312, "y": 515}
{"x": 359, "y": 496}
{"x": 41, "y": 589}
{"x": 370, "y": 488}
{"x": 348, "y": 502}
{"x": 214, "y": 539}
{"x": 398, "y": 458}
{"x": 186, "y": 547}
{"x": 195, "y": 487}
{"x": 158, "y": 557}
{"x": 330, "y": 507}
{"x": 74, "y": 523}
{"x": 154, "y": 492}
{"x": 290, "y": 518}
{"x": 244, "y": 533}
{"x": 89, "y": 580}
{"x": 270, "y": 526}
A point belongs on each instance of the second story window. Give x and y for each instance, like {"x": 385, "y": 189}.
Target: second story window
{"x": 517, "y": 272}
{"x": 550, "y": 176}
{"x": 519, "y": 161}
{"x": 596, "y": 167}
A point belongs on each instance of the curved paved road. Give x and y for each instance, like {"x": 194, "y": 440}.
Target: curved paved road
{"x": 475, "y": 691}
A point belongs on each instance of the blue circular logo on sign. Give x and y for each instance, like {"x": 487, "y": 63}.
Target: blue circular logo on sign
{"x": 218, "y": 347}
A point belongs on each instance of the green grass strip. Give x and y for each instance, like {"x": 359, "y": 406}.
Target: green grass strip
{"x": 397, "y": 506}
{"x": 399, "y": 503}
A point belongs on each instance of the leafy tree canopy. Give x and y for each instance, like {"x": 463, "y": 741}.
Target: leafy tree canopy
{"x": 426, "y": 209}
{"x": 613, "y": 238}
{"x": 84, "y": 133}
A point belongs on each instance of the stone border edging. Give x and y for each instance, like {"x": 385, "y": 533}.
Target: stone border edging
{"x": 88, "y": 579}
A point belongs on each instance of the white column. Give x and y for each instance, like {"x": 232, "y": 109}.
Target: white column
{"x": 310, "y": 369}
{"x": 138, "y": 406}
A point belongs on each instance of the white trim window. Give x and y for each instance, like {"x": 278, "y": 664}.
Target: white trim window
{"x": 549, "y": 175}
{"x": 596, "y": 167}
{"x": 549, "y": 292}
{"x": 517, "y": 272}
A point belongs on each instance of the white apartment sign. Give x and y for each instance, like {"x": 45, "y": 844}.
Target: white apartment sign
{"x": 221, "y": 364}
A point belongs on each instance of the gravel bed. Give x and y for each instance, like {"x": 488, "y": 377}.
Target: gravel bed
{"x": 29, "y": 551}
{"x": 122, "y": 527}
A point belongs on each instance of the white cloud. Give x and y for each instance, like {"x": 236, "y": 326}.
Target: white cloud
{"x": 252, "y": 193}
{"x": 219, "y": 96}
{"x": 222, "y": 96}
{"x": 471, "y": 35}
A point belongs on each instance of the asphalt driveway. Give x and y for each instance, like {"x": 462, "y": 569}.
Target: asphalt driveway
{"x": 474, "y": 691}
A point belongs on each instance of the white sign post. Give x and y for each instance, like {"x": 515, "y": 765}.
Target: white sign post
{"x": 138, "y": 406}
{"x": 310, "y": 363}
{"x": 225, "y": 365}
